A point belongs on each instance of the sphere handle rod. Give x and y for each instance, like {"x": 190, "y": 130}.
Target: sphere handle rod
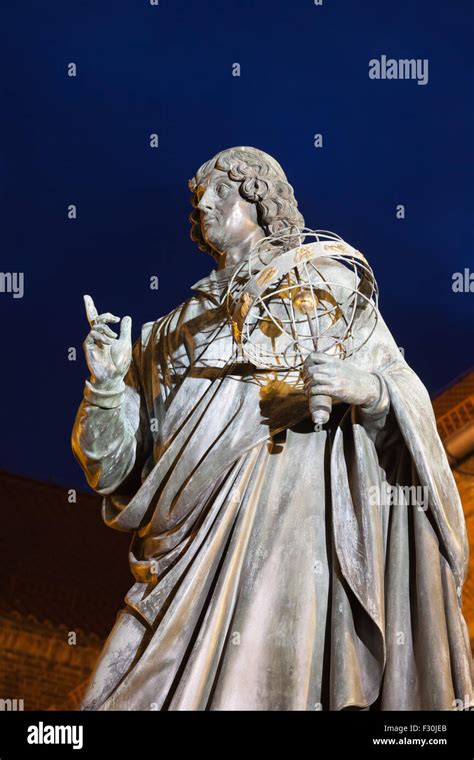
{"x": 322, "y": 404}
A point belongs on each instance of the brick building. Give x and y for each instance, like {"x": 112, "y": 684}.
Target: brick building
{"x": 64, "y": 573}
{"x": 454, "y": 409}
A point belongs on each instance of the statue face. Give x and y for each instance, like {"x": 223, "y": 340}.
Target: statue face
{"x": 226, "y": 218}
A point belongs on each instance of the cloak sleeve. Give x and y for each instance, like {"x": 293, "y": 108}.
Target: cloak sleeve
{"x": 415, "y": 419}
{"x": 111, "y": 436}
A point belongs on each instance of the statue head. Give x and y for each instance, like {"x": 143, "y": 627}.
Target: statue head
{"x": 241, "y": 193}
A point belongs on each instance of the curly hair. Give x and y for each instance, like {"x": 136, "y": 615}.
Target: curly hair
{"x": 262, "y": 181}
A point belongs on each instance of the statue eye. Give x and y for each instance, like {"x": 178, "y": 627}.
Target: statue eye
{"x": 222, "y": 190}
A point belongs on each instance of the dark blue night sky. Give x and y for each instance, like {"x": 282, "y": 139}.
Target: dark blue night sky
{"x": 168, "y": 69}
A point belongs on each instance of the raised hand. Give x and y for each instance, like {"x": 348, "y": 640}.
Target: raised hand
{"x": 108, "y": 356}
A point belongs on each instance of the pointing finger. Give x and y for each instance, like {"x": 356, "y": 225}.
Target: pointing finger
{"x": 91, "y": 311}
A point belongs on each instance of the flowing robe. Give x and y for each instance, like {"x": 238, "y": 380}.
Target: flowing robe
{"x": 271, "y": 571}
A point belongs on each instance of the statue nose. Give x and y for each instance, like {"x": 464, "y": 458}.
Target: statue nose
{"x": 205, "y": 203}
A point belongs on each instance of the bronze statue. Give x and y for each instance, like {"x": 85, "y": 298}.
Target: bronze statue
{"x": 271, "y": 570}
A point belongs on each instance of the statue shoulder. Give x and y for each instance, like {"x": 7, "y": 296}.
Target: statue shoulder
{"x": 152, "y": 331}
